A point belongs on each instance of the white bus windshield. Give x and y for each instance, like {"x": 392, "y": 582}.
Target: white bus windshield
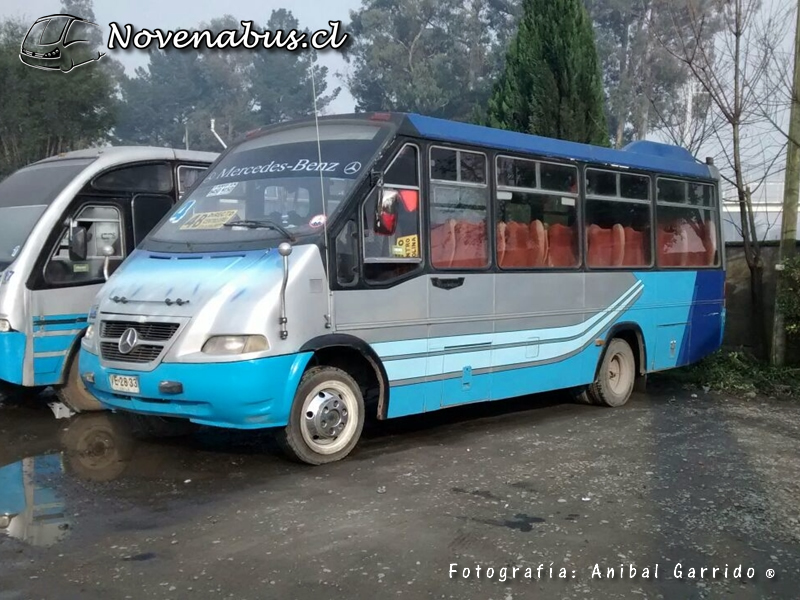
{"x": 25, "y": 195}
{"x": 277, "y": 179}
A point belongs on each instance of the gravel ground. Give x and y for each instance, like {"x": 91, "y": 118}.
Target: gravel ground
{"x": 677, "y": 479}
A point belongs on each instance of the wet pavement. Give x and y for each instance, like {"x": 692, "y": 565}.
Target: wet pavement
{"x": 671, "y": 481}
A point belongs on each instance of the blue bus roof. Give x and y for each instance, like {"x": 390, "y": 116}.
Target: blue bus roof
{"x": 645, "y": 155}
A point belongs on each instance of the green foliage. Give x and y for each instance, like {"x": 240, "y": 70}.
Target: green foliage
{"x": 644, "y": 81}
{"x": 737, "y": 372}
{"x": 43, "y": 113}
{"x": 552, "y": 84}
{"x": 789, "y": 299}
{"x": 180, "y": 91}
{"x": 434, "y": 57}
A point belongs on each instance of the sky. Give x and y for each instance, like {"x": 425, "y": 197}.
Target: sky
{"x": 175, "y": 14}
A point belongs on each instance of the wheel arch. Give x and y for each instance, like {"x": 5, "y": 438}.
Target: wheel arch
{"x": 356, "y": 357}
{"x": 632, "y": 333}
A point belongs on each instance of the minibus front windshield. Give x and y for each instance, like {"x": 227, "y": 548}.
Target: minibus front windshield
{"x": 284, "y": 184}
{"x": 25, "y": 195}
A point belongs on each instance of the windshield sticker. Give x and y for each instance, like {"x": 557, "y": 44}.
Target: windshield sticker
{"x": 317, "y": 222}
{"x": 210, "y": 220}
{"x": 408, "y": 246}
{"x": 80, "y": 268}
{"x": 182, "y": 212}
{"x": 221, "y": 189}
{"x": 15, "y": 251}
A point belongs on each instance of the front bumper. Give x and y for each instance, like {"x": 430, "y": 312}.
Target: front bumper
{"x": 250, "y": 394}
{"x": 12, "y": 356}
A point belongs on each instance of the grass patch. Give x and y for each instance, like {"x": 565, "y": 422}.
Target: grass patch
{"x": 737, "y": 372}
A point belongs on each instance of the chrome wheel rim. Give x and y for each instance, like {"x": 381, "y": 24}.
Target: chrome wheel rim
{"x": 329, "y": 418}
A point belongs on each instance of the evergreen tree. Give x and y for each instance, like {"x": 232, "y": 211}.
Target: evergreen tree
{"x": 551, "y": 84}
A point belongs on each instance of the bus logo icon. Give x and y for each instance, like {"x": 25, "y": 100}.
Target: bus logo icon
{"x": 128, "y": 341}
{"x": 60, "y": 43}
{"x": 352, "y": 168}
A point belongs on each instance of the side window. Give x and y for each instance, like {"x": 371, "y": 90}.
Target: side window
{"x": 618, "y": 217}
{"x": 459, "y": 209}
{"x": 187, "y": 175}
{"x": 391, "y": 222}
{"x": 537, "y": 222}
{"x": 101, "y": 226}
{"x": 686, "y": 234}
{"x": 153, "y": 178}
{"x": 147, "y": 211}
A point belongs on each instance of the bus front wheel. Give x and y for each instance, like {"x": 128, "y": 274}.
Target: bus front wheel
{"x": 74, "y": 393}
{"x": 616, "y": 376}
{"x": 326, "y": 419}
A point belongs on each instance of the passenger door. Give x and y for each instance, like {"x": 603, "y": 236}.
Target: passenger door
{"x": 461, "y": 289}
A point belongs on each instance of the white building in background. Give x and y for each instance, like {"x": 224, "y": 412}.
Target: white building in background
{"x": 768, "y": 212}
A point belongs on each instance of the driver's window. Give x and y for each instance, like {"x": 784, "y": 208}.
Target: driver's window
{"x": 103, "y": 227}
{"x": 392, "y": 245}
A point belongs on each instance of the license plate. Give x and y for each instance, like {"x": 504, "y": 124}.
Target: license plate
{"x": 127, "y": 384}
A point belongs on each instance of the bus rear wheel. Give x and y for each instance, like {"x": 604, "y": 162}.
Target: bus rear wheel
{"x": 74, "y": 393}
{"x": 326, "y": 419}
{"x": 616, "y": 377}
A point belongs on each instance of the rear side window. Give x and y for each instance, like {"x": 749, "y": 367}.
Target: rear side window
{"x": 153, "y": 178}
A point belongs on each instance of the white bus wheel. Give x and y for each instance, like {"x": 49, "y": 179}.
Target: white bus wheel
{"x": 74, "y": 393}
{"x": 326, "y": 419}
{"x": 616, "y": 376}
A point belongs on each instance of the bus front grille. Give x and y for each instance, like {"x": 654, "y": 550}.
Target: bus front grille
{"x": 150, "y": 332}
{"x": 142, "y": 353}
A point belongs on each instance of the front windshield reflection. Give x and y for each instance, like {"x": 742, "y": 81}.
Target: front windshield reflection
{"x": 16, "y": 224}
{"x": 289, "y": 178}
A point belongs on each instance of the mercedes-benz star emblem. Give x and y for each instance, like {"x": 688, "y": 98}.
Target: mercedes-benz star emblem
{"x": 128, "y": 341}
{"x": 352, "y": 168}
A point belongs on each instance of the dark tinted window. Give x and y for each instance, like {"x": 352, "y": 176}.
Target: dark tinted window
{"x": 558, "y": 178}
{"x": 404, "y": 169}
{"x": 444, "y": 164}
{"x": 635, "y": 187}
{"x": 473, "y": 168}
{"x": 147, "y": 212}
{"x": 516, "y": 172}
{"x": 601, "y": 183}
{"x": 671, "y": 190}
{"x": 140, "y": 178}
{"x": 701, "y": 194}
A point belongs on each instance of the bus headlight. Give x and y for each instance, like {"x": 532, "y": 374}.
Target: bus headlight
{"x": 235, "y": 344}
{"x": 5, "y": 326}
{"x": 5, "y": 521}
{"x": 89, "y": 337}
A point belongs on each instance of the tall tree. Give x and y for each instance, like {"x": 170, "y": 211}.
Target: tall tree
{"x": 43, "y": 113}
{"x": 435, "y": 57}
{"x": 646, "y": 87}
{"x": 282, "y": 85}
{"x": 551, "y": 84}
{"x": 171, "y": 102}
{"x": 735, "y": 70}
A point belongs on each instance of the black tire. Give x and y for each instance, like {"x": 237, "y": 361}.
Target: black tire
{"x": 96, "y": 447}
{"x": 150, "y": 426}
{"x": 324, "y": 391}
{"x": 615, "y": 377}
{"x": 74, "y": 394}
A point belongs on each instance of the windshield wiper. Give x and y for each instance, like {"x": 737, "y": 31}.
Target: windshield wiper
{"x": 250, "y": 224}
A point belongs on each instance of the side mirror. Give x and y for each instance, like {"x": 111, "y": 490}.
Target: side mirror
{"x": 77, "y": 244}
{"x": 386, "y": 212}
